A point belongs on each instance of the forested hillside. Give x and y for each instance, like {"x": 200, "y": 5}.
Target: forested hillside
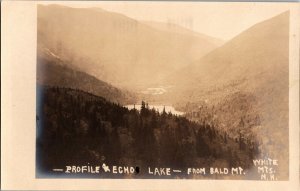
{"x": 243, "y": 87}
{"x": 76, "y": 128}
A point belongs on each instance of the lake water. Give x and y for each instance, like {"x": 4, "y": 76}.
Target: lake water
{"x": 159, "y": 108}
{"x": 156, "y": 90}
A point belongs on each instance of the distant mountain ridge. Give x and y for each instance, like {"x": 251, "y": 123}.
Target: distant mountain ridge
{"x": 171, "y": 27}
{"x": 116, "y": 48}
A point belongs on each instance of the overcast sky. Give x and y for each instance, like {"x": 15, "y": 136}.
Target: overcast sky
{"x": 222, "y": 20}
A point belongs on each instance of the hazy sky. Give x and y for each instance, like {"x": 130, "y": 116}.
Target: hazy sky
{"x": 222, "y": 20}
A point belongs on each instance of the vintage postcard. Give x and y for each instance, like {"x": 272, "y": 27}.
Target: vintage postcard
{"x": 161, "y": 91}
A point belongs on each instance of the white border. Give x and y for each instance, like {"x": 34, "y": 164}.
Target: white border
{"x": 18, "y": 80}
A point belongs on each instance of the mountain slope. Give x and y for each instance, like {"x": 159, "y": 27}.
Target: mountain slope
{"x": 115, "y": 48}
{"x": 260, "y": 50}
{"x": 243, "y": 87}
{"x": 53, "y": 71}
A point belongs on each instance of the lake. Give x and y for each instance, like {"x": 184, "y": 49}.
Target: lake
{"x": 157, "y": 90}
{"x": 159, "y": 108}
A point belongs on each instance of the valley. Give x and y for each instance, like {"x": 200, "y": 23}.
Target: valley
{"x": 188, "y": 98}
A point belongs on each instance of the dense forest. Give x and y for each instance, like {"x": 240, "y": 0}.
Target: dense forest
{"x": 75, "y": 128}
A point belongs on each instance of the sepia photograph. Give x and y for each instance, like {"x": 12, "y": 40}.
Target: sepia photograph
{"x": 136, "y": 95}
{"x": 123, "y": 95}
